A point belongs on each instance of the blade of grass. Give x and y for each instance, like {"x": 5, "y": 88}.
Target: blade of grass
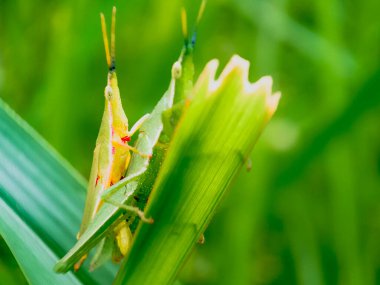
{"x": 35, "y": 261}
{"x": 345, "y": 215}
{"x": 42, "y": 190}
{"x": 303, "y": 237}
{"x": 210, "y": 145}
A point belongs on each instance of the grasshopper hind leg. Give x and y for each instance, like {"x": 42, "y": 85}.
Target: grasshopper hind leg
{"x": 132, "y": 209}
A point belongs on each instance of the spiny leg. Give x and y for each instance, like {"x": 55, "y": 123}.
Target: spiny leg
{"x": 132, "y": 209}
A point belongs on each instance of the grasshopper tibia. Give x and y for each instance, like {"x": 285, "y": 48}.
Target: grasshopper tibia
{"x": 133, "y": 209}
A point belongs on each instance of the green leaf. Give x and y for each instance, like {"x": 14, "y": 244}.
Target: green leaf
{"x": 33, "y": 260}
{"x": 108, "y": 214}
{"x": 41, "y": 198}
{"x": 211, "y": 143}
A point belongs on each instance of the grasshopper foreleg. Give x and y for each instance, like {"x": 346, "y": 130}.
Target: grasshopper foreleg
{"x": 131, "y": 148}
{"x": 138, "y": 124}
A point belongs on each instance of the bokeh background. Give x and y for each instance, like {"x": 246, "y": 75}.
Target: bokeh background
{"x": 308, "y": 211}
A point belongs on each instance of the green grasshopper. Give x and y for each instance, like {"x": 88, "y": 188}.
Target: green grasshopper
{"x": 183, "y": 74}
{"x": 182, "y": 83}
{"x": 179, "y": 90}
{"x": 164, "y": 123}
{"x": 112, "y": 153}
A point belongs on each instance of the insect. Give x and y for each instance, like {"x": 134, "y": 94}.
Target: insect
{"x": 183, "y": 73}
{"x": 112, "y": 153}
{"x": 181, "y": 85}
{"x": 155, "y": 137}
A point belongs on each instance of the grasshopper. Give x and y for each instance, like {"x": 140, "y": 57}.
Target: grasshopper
{"x": 182, "y": 86}
{"x": 164, "y": 119}
{"x": 112, "y": 153}
{"x": 183, "y": 73}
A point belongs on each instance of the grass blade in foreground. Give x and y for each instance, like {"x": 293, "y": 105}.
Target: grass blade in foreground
{"x": 35, "y": 261}
{"x": 210, "y": 145}
{"x": 41, "y": 199}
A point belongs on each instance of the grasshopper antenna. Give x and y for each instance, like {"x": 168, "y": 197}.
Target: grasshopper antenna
{"x": 184, "y": 26}
{"x": 190, "y": 45}
{"x": 112, "y": 67}
{"x": 199, "y": 17}
{"x": 105, "y": 39}
{"x": 201, "y": 11}
{"x": 110, "y": 55}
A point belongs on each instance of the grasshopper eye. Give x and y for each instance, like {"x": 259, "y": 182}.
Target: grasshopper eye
{"x": 177, "y": 70}
{"x": 108, "y": 93}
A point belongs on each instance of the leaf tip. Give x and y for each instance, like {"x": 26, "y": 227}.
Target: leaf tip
{"x": 237, "y": 71}
{"x": 272, "y": 102}
{"x": 237, "y": 65}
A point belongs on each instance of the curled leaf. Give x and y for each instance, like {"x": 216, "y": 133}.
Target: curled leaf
{"x": 211, "y": 143}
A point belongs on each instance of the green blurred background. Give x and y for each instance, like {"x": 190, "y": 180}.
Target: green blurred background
{"x": 308, "y": 212}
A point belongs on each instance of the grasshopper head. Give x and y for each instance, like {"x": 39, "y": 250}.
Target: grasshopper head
{"x": 183, "y": 68}
{"x": 111, "y": 92}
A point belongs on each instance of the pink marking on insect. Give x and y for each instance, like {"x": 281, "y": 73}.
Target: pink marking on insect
{"x": 97, "y": 180}
{"x": 113, "y": 150}
{"x": 112, "y": 130}
{"x": 126, "y": 139}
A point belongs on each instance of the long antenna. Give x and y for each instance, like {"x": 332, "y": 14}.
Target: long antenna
{"x": 113, "y": 24}
{"x": 185, "y": 31}
{"x": 105, "y": 39}
{"x": 200, "y": 12}
{"x": 199, "y": 17}
{"x": 184, "y": 25}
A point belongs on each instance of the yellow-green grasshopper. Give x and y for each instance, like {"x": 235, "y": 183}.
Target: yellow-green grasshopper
{"x": 112, "y": 153}
{"x": 141, "y": 173}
